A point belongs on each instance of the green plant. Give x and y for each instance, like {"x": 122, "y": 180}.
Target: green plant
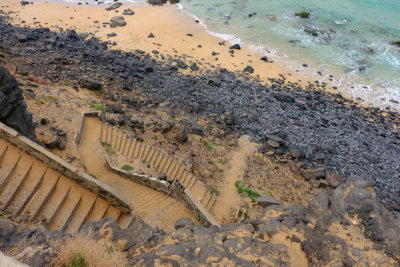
{"x": 303, "y": 14}
{"x": 101, "y": 108}
{"x": 244, "y": 189}
{"x": 270, "y": 193}
{"x": 127, "y": 167}
{"x": 77, "y": 261}
{"x": 107, "y": 146}
{"x": 109, "y": 248}
{"x": 207, "y": 145}
{"x": 260, "y": 158}
{"x": 211, "y": 162}
{"x": 221, "y": 160}
{"x": 67, "y": 83}
{"x": 215, "y": 191}
{"x": 213, "y": 126}
{"x": 246, "y": 215}
{"x": 94, "y": 176}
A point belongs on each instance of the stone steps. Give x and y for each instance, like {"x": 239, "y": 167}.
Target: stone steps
{"x": 31, "y": 192}
{"x": 130, "y": 147}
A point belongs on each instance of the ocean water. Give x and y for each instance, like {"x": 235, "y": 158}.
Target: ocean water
{"x": 349, "y": 39}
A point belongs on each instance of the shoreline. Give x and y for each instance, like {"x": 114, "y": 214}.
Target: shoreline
{"x": 170, "y": 25}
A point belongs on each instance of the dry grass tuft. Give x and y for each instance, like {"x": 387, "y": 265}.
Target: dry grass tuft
{"x": 85, "y": 251}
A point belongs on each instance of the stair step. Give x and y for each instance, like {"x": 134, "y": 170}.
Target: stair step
{"x": 56, "y": 201}
{"x": 126, "y": 220}
{"x": 3, "y": 150}
{"x": 154, "y": 158}
{"x": 122, "y": 139}
{"x": 210, "y": 203}
{"x": 127, "y": 146}
{"x": 27, "y": 189}
{"x": 41, "y": 196}
{"x": 15, "y": 183}
{"x": 113, "y": 213}
{"x": 7, "y": 169}
{"x": 160, "y": 162}
{"x": 171, "y": 169}
{"x": 81, "y": 213}
{"x": 132, "y": 148}
{"x": 149, "y": 155}
{"x": 63, "y": 216}
{"x": 98, "y": 210}
{"x": 166, "y": 165}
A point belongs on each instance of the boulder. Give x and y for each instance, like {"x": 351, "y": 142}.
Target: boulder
{"x": 13, "y": 110}
{"x": 91, "y": 84}
{"x": 235, "y": 46}
{"x": 157, "y": 2}
{"x": 249, "y": 69}
{"x": 128, "y": 12}
{"x": 117, "y": 21}
{"x": 313, "y": 173}
{"x": 114, "y": 6}
{"x": 266, "y": 201}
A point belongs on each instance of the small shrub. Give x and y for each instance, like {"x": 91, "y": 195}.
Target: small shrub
{"x": 127, "y": 167}
{"x": 215, "y": 191}
{"x": 67, "y": 83}
{"x": 94, "y": 176}
{"x": 107, "y": 146}
{"x": 246, "y": 215}
{"x": 211, "y": 162}
{"x": 207, "y": 145}
{"x": 303, "y": 14}
{"x": 86, "y": 251}
{"x": 47, "y": 98}
{"x": 244, "y": 189}
{"x": 101, "y": 108}
{"x": 221, "y": 161}
{"x": 77, "y": 261}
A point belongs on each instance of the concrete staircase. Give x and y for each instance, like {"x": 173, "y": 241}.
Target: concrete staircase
{"x": 31, "y": 192}
{"x": 130, "y": 147}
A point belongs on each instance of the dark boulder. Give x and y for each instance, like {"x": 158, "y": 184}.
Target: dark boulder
{"x": 117, "y": 21}
{"x": 91, "y": 84}
{"x": 128, "y": 12}
{"x": 114, "y": 6}
{"x": 235, "y": 46}
{"x": 13, "y": 110}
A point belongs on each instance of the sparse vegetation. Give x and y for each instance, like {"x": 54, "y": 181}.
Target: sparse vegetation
{"x": 94, "y": 176}
{"x": 246, "y": 215}
{"x": 47, "y": 98}
{"x": 303, "y": 14}
{"x": 260, "y": 158}
{"x": 211, "y": 162}
{"x": 85, "y": 251}
{"x": 77, "y": 261}
{"x": 215, "y": 191}
{"x": 207, "y": 145}
{"x": 107, "y": 146}
{"x": 67, "y": 83}
{"x": 244, "y": 189}
{"x": 127, "y": 167}
{"x": 101, "y": 108}
{"x": 221, "y": 160}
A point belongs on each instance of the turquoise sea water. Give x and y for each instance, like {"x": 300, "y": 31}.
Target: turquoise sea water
{"x": 349, "y": 39}
{"x": 352, "y": 37}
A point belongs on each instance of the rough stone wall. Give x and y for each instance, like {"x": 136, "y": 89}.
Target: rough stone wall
{"x": 13, "y": 110}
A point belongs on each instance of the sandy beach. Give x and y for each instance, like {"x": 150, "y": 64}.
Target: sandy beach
{"x": 175, "y": 33}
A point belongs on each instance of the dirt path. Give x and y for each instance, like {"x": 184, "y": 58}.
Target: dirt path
{"x": 229, "y": 199}
{"x": 153, "y": 207}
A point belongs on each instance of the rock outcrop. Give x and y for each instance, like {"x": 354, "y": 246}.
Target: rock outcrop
{"x": 13, "y": 110}
{"x": 345, "y": 227}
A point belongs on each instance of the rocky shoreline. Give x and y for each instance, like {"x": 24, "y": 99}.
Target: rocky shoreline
{"x": 323, "y": 133}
